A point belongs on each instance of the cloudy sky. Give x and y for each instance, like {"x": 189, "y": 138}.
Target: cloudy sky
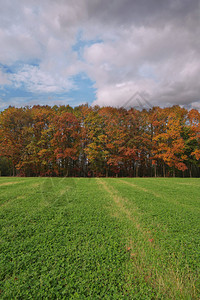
{"x": 100, "y": 52}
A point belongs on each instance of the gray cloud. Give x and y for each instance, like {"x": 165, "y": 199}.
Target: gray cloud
{"x": 150, "y": 13}
{"x": 155, "y": 50}
{"x": 147, "y": 46}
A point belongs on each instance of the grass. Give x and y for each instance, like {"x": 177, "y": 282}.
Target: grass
{"x": 67, "y": 238}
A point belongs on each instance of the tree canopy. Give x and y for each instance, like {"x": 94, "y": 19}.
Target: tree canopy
{"x": 95, "y": 141}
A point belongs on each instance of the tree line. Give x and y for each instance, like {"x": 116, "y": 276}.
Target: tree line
{"x": 99, "y": 141}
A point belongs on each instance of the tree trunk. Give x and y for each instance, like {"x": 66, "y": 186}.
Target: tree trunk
{"x": 13, "y": 170}
{"x": 136, "y": 171}
{"x": 164, "y": 170}
{"x": 190, "y": 170}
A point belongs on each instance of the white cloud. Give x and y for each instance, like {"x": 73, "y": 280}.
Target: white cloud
{"x": 196, "y": 105}
{"x": 149, "y": 47}
{"x": 39, "y": 81}
{"x": 4, "y": 79}
{"x": 3, "y": 104}
{"x": 154, "y": 61}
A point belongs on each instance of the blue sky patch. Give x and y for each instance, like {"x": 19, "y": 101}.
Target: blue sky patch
{"x": 81, "y": 44}
{"x": 84, "y": 92}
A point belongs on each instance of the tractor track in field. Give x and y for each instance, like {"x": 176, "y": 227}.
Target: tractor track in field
{"x": 11, "y": 183}
{"x": 155, "y": 279}
{"x": 119, "y": 202}
{"x": 142, "y": 188}
{"x": 158, "y": 195}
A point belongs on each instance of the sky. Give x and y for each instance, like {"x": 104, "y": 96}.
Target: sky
{"x": 107, "y": 53}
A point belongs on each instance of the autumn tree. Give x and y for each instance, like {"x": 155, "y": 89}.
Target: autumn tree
{"x": 94, "y": 141}
{"x": 35, "y": 156}
{"x": 170, "y": 144}
{"x": 12, "y": 142}
{"x": 192, "y": 140}
{"x": 66, "y": 142}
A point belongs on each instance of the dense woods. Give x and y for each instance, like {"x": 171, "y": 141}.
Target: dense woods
{"x": 93, "y": 141}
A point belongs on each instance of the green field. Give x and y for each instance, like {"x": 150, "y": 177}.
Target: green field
{"x": 67, "y": 238}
